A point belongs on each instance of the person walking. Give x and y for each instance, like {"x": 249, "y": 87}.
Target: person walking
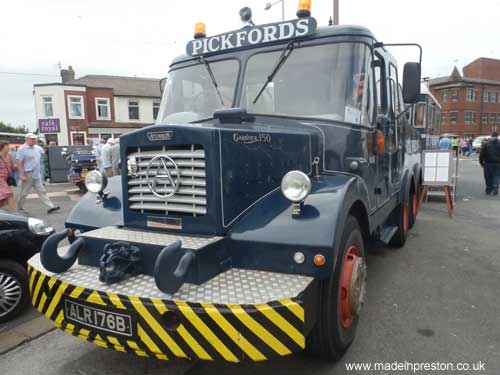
{"x": 489, "y": 158}
{"x": 115, "y": 158}
{"x": 28, "y": 164}
{"x": 107, "y": 166}
{"x": 463, "y": 145}
{"x": 444, "y": 143}
{"x": 6, "y": 177}
{"x": 99, "y": 153}
{"x": 454, "y": 145}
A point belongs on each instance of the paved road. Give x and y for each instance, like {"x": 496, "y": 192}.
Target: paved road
{"x": 436, "y": 299}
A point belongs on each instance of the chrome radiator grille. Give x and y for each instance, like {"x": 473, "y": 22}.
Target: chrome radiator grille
{"x": 190, "y": 198}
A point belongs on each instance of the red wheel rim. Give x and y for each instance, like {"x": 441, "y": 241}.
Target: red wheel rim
{"x": 406, "y": 218}
{"x": 346, "y": 316}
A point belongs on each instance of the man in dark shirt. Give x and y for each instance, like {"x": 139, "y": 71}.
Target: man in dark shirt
{"x": 489, "y": 158}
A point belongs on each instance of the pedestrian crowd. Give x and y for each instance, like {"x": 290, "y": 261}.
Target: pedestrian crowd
{"x": 459, "y": 145}
{"x": 27, "y": 168}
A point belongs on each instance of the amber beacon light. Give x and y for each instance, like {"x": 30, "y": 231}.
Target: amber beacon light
{"x": 304, "y": 8}
{"x": 200, "y": 31}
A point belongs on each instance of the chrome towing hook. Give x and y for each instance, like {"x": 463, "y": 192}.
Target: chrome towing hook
{"x": 50, "y": 258}
{"x": 172, "y": 267}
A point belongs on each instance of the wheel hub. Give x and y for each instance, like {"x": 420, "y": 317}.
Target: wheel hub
{"x": 358, "y": 286}
{"x": 10, "y": 293}
{"x": 353, "y": 286}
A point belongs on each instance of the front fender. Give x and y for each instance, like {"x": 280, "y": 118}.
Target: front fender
{"x": 268, "y": 236}
{"x": 88, "y": 214}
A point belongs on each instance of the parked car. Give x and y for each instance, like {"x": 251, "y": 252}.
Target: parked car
{"x": 20, "y": 238}
{"x": 476, "y": 143}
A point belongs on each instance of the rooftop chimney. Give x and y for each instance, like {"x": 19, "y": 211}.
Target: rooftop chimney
{"x": 67, "y": 74}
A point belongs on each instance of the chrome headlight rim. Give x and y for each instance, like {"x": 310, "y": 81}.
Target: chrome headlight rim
{"x": 38, "y": 227}
{"x": 292, "y": 181}
{"x": 96, "y": 182}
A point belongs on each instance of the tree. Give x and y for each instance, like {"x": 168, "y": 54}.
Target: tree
{"x": 12, "y": 129}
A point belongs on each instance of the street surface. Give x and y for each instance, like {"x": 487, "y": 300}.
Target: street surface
{"x": 435, "y": 299}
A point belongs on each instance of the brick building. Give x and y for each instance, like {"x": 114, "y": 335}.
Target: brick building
{"x": 94, "y": 106}
{"x": 470, "y": 103}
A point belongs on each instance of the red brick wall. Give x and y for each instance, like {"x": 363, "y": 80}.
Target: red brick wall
{"x": 92, "y": 94}
{"x": 80, "y": 125}
{"x": 462, "y": 105}
{"x": 483, "y": 68}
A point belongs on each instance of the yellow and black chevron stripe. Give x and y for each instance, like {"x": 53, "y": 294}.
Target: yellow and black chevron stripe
{"x": 207, "y": 331}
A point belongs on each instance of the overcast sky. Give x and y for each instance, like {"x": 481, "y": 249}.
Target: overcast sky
{"x": 139, "y": 38}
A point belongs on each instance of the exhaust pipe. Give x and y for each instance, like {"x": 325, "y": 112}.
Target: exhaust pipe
{"x": 51, "y": 260}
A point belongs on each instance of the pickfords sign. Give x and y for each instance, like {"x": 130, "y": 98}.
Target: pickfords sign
{"x": 249, "y": 36}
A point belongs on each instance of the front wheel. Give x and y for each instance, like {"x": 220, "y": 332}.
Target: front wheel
{"x": 341, "y": 297}
{"x": 14, "y": 293}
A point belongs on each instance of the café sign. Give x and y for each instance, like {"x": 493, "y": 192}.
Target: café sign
{"x": 49, "y": 125}
{"x": 252, "y": 35}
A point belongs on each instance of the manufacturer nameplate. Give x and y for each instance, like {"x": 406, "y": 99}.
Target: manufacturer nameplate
{"x": 251, "y": 138}
{"x": 160, "y": 136}
{"x": 250, "y": 36}
{"x": 164, "y": 222}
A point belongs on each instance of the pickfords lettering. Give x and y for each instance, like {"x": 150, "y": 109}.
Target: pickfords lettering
{"x": 252, "y": 36}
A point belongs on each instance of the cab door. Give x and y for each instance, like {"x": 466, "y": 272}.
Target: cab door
{"x": 382, "y": 188}
{"x": 395, "y": 127}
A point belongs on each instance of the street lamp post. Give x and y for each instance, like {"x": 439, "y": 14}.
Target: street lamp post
{"x": 270, "y": 5}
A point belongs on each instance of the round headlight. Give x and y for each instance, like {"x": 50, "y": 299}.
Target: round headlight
{"x": 296, "y": 186}
{"x": 95, "y": 181}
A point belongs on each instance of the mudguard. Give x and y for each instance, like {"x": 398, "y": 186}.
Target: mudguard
{"x": 88, "y": 214}
{"x": 407, "y": 181}
{"x": 268, "y": 236}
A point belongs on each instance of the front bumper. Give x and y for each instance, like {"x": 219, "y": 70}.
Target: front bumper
{"x": 238, "y": 315}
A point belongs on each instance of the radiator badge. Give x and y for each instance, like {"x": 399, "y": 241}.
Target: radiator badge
{"x": 163, "y": 176}
{"x": 251, "y": 138}
{"x": 160, "y": 136}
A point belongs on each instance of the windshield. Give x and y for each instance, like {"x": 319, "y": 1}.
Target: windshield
{"x": 190, "y": 93}
{"x": 326, "y": 81}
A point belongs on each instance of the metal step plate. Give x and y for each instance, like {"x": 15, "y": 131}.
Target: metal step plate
{"x": 235, "y": 286}
{"x": 150, "y": 238}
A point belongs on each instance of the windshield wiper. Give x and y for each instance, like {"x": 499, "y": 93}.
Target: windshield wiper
{"x": 284, "y": 55}
{"x": 212, "y": 77}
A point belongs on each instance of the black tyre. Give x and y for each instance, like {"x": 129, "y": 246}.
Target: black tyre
{"x": 340, "y": 298}
{"x": 401, "y": 218}
{"x": 14, "y": 292}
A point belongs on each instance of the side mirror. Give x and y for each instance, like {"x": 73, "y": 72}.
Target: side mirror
{"x": 411, "y": 82}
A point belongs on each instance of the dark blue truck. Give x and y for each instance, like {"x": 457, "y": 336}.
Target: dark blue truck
{"x": 239, "y": 225}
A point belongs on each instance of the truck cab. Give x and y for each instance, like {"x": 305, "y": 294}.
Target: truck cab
{"x": 238, "y": 227}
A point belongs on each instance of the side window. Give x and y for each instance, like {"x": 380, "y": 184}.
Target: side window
{"x": 379, "y": 75}
{"x": 393, "y": 90}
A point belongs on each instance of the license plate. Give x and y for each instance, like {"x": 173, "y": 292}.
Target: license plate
{"x": 102, "y": 319}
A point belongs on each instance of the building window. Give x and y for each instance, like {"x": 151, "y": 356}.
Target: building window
{"x": 486, "y": 96}
{"x": 133, "y": 110}
{"x": 443, "y": 117}
{"x": 470, "y": 117}
{"x": 484, "y": 118}
{"x": 445, "y": 95}
{"x": 453, "y": 117}
{"x": 454, "y": 94}
{"x": 470, "y": 95}
{"x": 78, "y": 138}
{"x": 156, "y": 109}
{"x": 102, "y": 109}
{"x": 498, "y": 118}
{"x": 492, "y": 118}
{"x": 48, "y": 109}
{"x": 75, "y": 107}
{"x": 493, "y": 96}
